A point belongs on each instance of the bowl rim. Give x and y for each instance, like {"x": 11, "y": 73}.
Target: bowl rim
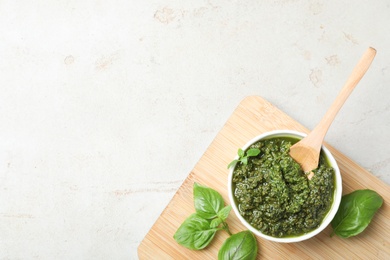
{"x": 336, "y": 196}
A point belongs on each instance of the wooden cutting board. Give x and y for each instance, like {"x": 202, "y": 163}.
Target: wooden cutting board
{"x": 253, "y": 116}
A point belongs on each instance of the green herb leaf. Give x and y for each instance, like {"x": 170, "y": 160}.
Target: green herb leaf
{"x": 224, "y": 213}
{"x": 355, "y": 212}
{"x": 253, "y": 152}
{"x": 216, "y": 222}
{"x": 242, "y": 245}
{"x": 195, "y": 233}
{"x": 208, "y": 202}
{"x": 244, "y": 160}
{"x": 232, "y": 163}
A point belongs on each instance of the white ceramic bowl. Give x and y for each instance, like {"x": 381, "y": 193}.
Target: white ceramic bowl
{"x": 336, "y": 197}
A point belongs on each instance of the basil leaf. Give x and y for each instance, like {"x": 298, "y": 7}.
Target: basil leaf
{"x": 244, "y": 160}
{"x": 208, "y": 202}
{"x": 232, "y": 163}
{"x": 253, "y": 152}
{"x": 240, "y": 152}
{"x": 224, "y": 213}
{"x": 242, "y": 246}
{"x": 216, "y": 222}
{"x": 355, "y": 212}
{"x": 195, "y": 233}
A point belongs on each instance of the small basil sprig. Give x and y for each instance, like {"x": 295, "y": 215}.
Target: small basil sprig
{"x": 242, "y": 245}
{"x": 199, "y": 229}
{"x": 243, "y": 156}
{"x": 209, "y": 205}
{"x": 355, "y": 212}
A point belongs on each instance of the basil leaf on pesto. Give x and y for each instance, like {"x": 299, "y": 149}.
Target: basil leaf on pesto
{"x": 195, "y": 233}
{"x": 355, "y": 212}
{"x": 253, "y": 152}
{"x": 244, "y": 160}
{"x": 232, "y": 163}
{"x": 241, "y": 152}
{"x": 242, "y": 245}
{"x": 207, "y": 201}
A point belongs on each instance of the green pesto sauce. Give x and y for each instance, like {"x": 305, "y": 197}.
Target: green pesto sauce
{"x": 274, "y": 195}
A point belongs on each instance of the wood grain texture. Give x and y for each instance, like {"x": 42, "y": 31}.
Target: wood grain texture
{"x": 254, "y": 116}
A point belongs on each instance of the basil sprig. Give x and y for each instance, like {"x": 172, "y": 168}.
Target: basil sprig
{"x": 243, "y": 156}
{"x": 199, "y": 229}
{"x": 355, "y": 212}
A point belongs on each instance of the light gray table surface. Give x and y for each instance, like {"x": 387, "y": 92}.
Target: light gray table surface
{"x": 106, "y": 106}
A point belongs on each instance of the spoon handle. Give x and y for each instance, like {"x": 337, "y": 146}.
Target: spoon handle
{"x": 356, "y": 75}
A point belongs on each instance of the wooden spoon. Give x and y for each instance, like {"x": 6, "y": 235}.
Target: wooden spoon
{"x": 307, "y": 151}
